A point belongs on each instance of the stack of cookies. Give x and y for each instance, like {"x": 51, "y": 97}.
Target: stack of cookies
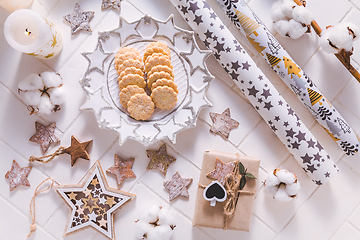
{"x": 160, "y": 77}
{"x": 160, "y": 80}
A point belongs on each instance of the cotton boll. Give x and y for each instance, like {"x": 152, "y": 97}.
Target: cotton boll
{"x": 282, "y": 195}
{"x": 293, "y": 189}
{"x": 285, "y": 176}
{"x": 287, "y": 7}
{"x": 31, "y": 82}
{"x": 31, "y": 97}
{"x": 165, "y": 232}
{"x": 149, "y": 214}
{"x": 57, "y": 95}
{"x": 45, "y": 106}
{"x": 296, "y": 29}
{"x": 154, "y": 234}
{"x": 271, "y": 180}
{"x": 276, "y": 13}
{"x": 51, "y": 79}
{"x": 302, "y": 14}
{"x": 271, "y": 190}
{"x": 324, "y": 42}
{"x": 142, "y": 228}
{"x": 282, "y": 27}
{"x": 166, "y": 216}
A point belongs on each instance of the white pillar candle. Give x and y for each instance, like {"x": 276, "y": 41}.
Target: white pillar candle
{"x": 12, "y": 5}
{"x": 30, "y": 33}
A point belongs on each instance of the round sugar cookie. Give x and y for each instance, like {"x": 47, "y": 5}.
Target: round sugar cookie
{"x": 164, "y": 97}
{"x": 140, "y": 106}
{"x": 157, "y": 75}
{"x": 130, "y": 70}
{"x": 161, "y": 68}
{"x": 165, "y": 82}
{"x": 125, "y": 50}
{"x": 132, "y": 79}
{"x": 128, "y": 92}
{"x": 155, "y": 49}
{"x": 157, "y": 60}
{"x": 130, "y": 63}
{"x": 160, "y": 45}
{"x": 120, "y": 58}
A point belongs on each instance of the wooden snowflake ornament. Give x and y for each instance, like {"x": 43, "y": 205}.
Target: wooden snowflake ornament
{"x": 93, "y": 202}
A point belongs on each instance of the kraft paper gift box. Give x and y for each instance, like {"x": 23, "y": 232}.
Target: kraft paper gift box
{"x": 208, "y": 216}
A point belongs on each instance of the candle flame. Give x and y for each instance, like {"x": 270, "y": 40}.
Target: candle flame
{"x": 27, "y": 32}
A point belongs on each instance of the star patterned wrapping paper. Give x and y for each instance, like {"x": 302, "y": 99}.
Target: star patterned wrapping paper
{"x": 258, "y": 89}
{"x": 292, "y": 75}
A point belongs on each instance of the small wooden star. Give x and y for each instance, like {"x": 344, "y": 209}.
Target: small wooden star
{"x": 79, "y": 19}
{"x": 87, "y": 208}
{"x": 17, "y": 175}
{"x": 159, "y": 159}
{"x": 223, "y": 123}
{"x": 122, "y": 169}
{"x": 221, "y": 170}
{"x": 177, "y": 186}
{"x": 114, "y": 4}
{"x": 78, "y": 150}
{"x": 44, "y": 135}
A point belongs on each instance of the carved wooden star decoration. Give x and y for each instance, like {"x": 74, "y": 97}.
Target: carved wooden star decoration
{"x": 44, "y": 135}
{"x": 78, "y": 150}
{"x": 221, "y": 170}
{"x": 223, "y": 123}
{"x": 122, "y": 169}
{"x": 159, "y": 159}
{"x": 177, "y": 186}
{"x": 18, "y": 175}
{"x": 79, "y": 19}
{"x": 92, "y": 202}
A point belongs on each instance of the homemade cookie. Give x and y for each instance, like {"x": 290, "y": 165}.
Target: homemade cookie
{"x": 155, "y": 49}
{"x": 153, "y": 61}
{"x": 132, "y": 79}
{"x": 164, "y": 82}
{"x": 130, "y": 70}
{"x": 125, "y": 50}
{"x": 140, "y": 106}
{"x": 120, "y": 58}
{"x": 129, "y": 63}
{"x": 128, "y": 92}
{"x": 161, "y": 68}
{"x": 157, "y": 75}
{"x": 164, "y": 97}
{"x": 161, "y": 45}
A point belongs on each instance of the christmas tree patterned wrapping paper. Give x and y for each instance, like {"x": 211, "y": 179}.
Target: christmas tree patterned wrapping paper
{"x": 292, "y": 75}
{"x": 258, "y": 89}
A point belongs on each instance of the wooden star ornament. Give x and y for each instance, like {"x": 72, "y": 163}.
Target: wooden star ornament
{"x": 159, "y": 159}
{"x": 79, "y": 19}
{"x": 44, "y": 135}
{"x": 122, "y": 169}
{"x": 177, "y": 186}
{"x": 78, "y": 150}
{"x": 223, "y": 123}
{"x": 221, "y": 170}
{"x": 18, "y": 175}
{"x": 92, "y": 202}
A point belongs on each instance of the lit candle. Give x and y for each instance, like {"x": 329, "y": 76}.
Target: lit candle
{"x": 30, "y": 33}
{"x": 12, "y": 5}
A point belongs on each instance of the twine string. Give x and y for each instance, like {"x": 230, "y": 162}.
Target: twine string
{"x": 47, "y": 158}
{"x": 32, "y": 204}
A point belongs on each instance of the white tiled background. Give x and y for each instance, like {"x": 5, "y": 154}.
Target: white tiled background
{"x": 331, "y": 211}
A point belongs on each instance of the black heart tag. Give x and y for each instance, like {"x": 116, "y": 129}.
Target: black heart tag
{"x": 215, "y": 192}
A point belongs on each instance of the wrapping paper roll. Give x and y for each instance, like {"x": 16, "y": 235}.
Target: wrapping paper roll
{"x": 292, "y": 75}
{"x": 258, "y": 89}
